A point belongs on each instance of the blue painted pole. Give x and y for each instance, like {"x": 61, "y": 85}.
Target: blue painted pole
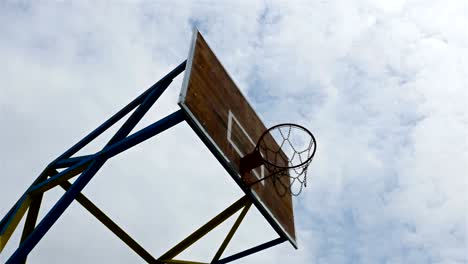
{"x": 114, "y": 119}
{"x": 41, "y": 185}
{"x": 253, "y": 250}
{"x": 144, "y": 134}
{"x": 65, "y": 163}
{"x": 116, "y": 148}
{"x": 133, "y": 120}
{"x": 7, "y": 218}
{"x": 25, "y": 248}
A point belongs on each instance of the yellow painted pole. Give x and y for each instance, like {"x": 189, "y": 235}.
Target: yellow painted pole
{"x": 15, "y": 219}
{"x": 202, "y": 231}
{"x": 51, "y": 182}
{"x": 104, "y": 219}
{"x": 231, "y": 232}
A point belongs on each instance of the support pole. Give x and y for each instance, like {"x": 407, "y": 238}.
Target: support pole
{"x": 176, "y": 261}
{"x": 111, "y": 225}
{"x": 60, "y": 177}
{"x": 25, "y": 248}
{"x": 87, "y": 167}
{"x": 6, "y": 225}
{"x": 51, "y": 217}
{"x": 65, "y": 163}
{"x": 144, "y": 134}
{"x": 31, "y": 219}
{"x": 231, "y": 232}
{"x": 110, "y": 151}
{"x": 195, "y": 236}
{"x": 136, "y": 116}
{"x": 253, "y": 250}
{"x": 119, "y": 115}
{"x": 13, "y": 220}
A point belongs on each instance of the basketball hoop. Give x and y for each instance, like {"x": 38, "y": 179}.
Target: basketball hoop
{"x": 286, "y": 150}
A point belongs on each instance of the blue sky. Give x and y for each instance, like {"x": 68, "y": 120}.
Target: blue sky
{"x": 382, "y": 85}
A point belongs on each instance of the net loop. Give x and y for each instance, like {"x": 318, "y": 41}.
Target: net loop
{"x": 287, "y": 151}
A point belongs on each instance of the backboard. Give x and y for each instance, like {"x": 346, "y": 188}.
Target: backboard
{"x": 228, "y": 125}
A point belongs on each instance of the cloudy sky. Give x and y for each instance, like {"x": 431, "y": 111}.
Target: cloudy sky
{"x": 382, "y": 84}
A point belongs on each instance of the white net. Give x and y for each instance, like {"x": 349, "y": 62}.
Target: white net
{"x": 287, "y": 151}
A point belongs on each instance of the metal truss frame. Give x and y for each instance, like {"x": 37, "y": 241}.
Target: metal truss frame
{"x": 87, "y": 166}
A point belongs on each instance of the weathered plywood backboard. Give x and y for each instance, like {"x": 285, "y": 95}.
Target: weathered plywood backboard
{"x": 228, "y": 125}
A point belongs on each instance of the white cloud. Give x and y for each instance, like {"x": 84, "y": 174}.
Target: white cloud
{"x": 382, "y": 84}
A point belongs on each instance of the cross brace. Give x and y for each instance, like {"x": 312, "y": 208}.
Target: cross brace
{"x": 243, "y": 203}
{"x": 86, "y": 167}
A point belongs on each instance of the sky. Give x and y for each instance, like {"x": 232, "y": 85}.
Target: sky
{"x": 381, "y": 84}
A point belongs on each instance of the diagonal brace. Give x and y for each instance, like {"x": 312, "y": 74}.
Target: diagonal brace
{"x": 87, "y": 166}
{"x": 231, "y": 232}
{"x": 110, "y": 151}
{"x": 202, "y": 231}
{"x": 65, "y": 163}
{"x": 253, "y": 250}
{"x": 96, "y": 163}
{"x": 13, "y": 220}
{"x": 176, "y": 261}
{"x": 61, "y": 177}
{"x": 104, "y": 219}
{"x": 31, "y": 218}
{"x": 16, "y": 213}
{"x": 119, "y": 115}
{"x": 136, "y": 116}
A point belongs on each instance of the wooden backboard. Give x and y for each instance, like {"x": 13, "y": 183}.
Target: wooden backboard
{"x": 223, "y": 118}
